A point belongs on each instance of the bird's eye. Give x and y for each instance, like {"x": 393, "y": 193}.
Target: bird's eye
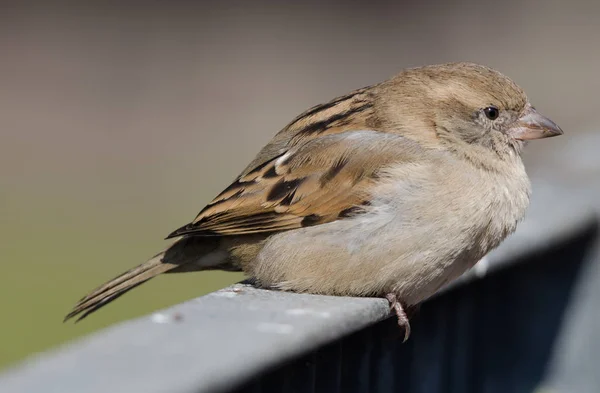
{"x": 492, "y": 112}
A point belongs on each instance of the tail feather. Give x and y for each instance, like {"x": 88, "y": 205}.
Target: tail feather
{"x": 102, "y": 303}
{"x": 119, "y": 285}
{"x": 185, "y": 254}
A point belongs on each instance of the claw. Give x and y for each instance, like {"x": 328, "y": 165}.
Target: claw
{"x": 400, "y": 313}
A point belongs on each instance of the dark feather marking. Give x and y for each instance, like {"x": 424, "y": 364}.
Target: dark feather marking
{"x": 236, "y": 184}
{"x": 261, "y": 221}
{"x": 288, "y": 199}
{"x": 258, "y": 167}
{"x": 253, "y": 218}
{"x": 219, "y": 199}
{"x": 212, "y": 217}
{"x": 319, "y": 108}
{"x": 322, "y": 125}
{"x": 179, "y": 231}
{"x": 261, "y": 166}
{"x": 311, "y": 219}
{"x": 234, "y": 195}
{"x": 323, "y": 107}
{"x": 283, "y": 188}
{"x": 270, "y": 173}
{"x": 358, "y": 177}
{"x": 192, "y": 230}
{"x": 333, "y": 171}
{"x": 351, "y": 211}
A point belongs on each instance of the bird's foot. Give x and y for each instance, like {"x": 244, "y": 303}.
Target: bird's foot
{"x": 400, "y": 313}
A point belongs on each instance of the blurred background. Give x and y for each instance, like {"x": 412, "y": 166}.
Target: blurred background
{"x": 119, "y": 121}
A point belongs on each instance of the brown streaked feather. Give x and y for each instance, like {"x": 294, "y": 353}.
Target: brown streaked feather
{"x": 353, "y": 111}
{"x": 268, "y": 186}
{"x": 321, "y": 181}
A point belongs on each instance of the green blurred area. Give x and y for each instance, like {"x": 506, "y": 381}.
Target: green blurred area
{"x": 45, "y": 273}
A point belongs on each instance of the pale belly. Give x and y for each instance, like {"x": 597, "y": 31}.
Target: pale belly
{"x": 399, "y": 247}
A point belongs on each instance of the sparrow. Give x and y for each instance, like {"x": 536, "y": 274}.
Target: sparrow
{"x": 393, "y": 190}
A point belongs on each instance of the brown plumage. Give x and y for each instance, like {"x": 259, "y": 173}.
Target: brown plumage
{"x": 394, "y": 189}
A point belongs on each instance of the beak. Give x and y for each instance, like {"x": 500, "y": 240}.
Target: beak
{"x": 532, "y": 125}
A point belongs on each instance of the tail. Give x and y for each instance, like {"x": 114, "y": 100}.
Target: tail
{"x": 116, "y": 287}
{"x": 183, "y": 255}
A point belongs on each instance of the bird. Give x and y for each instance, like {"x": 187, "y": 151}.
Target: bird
{"x": 393, "y": 190}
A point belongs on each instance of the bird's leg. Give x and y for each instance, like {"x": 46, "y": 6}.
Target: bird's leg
{"x": 402, "y": 318}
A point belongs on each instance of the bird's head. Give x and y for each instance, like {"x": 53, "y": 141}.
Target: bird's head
{"x": 470, "y": 103}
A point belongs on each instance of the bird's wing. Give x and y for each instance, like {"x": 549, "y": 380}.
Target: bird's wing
{"x": 351, "y": 112}
{"x": 322, "y": 180}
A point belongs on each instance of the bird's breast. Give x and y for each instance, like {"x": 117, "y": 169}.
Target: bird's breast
{"x": 425, "y": 226}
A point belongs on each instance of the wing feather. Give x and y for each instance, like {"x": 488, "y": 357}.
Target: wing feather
{"x": 322, "y": 180}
